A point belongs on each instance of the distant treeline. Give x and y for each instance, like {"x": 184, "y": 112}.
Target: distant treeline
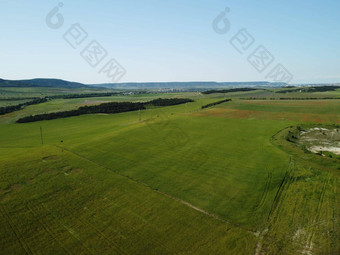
{"x": 216, "y": 103}
{"x": 12, "y": 108}
{"x": 113, "y": 107}
{"x": 289, "y": 98}
{"x": 306, "y": 98}
{"x": 311, "y": 89}
{"x": 70, "y": 96}
{"x": 228, "y": 90}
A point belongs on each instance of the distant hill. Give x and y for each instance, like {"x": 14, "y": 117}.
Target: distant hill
{"x": 185, "y": 85}
{"x": 57, "y": 83}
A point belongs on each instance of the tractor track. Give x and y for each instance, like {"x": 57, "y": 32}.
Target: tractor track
{"x": 276, "y": 205}
{"x": 285, "y": 183}
{"x": 264, "y": 193}
{"x": 99, "y": 234}
{"x": 16, "y": 232}
{"x": 45, "y": 227}
{"x": 316, "y": 221}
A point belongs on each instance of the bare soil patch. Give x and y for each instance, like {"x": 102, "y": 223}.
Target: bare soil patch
{"x": 321, "y": 139}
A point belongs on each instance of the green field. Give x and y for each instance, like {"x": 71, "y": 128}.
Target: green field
{"x": 223, "y": 180}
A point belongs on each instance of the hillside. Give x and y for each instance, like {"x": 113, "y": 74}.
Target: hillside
{"x": 41, "y": 83}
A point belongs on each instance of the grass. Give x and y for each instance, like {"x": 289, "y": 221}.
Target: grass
{"x": 183, "y": 180}
{"x": 64, "y": 204}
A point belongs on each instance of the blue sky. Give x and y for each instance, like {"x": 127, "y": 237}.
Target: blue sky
{"x": 171, "y": 40}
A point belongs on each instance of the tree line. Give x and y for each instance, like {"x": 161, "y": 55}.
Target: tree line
{"x": 70, "y": 96}
{"x": 113, "y": 107}
{"x": 311, "y": 89}
{"x": 228, "y": 90}
{"x": 216, "y": 103}
{"x": 12, "y": 108}
{"x": 169, "y": 101}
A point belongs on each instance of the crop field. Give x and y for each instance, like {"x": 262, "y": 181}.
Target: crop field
{"x": 170, "y": 180}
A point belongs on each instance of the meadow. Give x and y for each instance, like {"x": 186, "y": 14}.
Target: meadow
{"x": 173, "y": 180}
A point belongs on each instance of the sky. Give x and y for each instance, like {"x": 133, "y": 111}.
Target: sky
{"x": 164, "y": 41}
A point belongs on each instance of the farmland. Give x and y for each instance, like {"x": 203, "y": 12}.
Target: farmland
{"x": 169, "y": 180}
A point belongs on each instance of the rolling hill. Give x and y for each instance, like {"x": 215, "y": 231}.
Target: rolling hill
{"x": 40, "y": 82}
